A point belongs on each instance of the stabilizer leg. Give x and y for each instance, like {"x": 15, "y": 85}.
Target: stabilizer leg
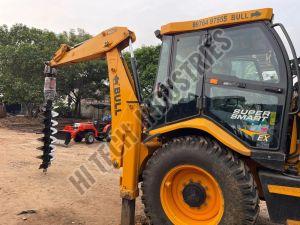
{"x": 128, "y": 212}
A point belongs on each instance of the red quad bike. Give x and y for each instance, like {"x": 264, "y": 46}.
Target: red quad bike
{"x": 87, "y": 130}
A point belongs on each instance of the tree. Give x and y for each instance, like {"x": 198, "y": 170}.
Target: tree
{"x": 84, "y": 80}
{"x": 24, "y": 50}
{"x": 22, "y": 53}
{"x": 147, "y": 64}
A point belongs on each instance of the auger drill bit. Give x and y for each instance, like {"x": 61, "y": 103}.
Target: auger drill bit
{"x": 48, "y": 140}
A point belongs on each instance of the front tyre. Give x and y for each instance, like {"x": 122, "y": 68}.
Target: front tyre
{"x": 89, "y": 138}
{"x": 192, "y": 180}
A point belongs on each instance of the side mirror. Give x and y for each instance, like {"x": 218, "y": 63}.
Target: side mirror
{"x": 158, "y": 34}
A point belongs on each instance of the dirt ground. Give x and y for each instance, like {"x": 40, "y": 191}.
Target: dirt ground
{"x": 52, "y": 196}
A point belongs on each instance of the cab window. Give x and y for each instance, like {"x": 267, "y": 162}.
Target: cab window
{"x": 251, "y": 57}
{"x": 248, "y": 98}
{"x": 157, "y": 109}
{"x": 184, "y": 93}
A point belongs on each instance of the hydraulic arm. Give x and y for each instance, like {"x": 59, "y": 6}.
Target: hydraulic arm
{"x": 94, "y": 48}
{"x": 125, "y": 108}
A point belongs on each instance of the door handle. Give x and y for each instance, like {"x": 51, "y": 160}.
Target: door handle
{"x": 274, "y": 90}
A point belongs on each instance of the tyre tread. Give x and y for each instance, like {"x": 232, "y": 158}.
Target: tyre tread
{"x": 236, "y": 166}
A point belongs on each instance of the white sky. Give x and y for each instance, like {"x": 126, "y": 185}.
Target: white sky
{"x": 141, "y": 16}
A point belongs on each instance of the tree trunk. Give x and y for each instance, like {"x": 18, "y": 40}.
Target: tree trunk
{"x": 28, "y": 110}
{"x": 69, "y": 112}
{"x": 77, "y": 110}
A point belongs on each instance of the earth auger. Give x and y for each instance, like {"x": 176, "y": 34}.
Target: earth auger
{"x": 49, "y": 129}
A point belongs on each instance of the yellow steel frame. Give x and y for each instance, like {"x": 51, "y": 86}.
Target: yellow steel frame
{"x": 292, "y": 222}
{"x": 284, "y": 190}
{"x": 209, "y": 127}
{"x": 126, "y": 145}
{"x": 126, "y": 125}
{"x": 218, "y": 21}
{"x": 94, "y": 48}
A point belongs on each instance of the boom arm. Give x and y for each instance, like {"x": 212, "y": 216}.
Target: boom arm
{"x": 125, "y": 109}
{"x": 94, "y": 48}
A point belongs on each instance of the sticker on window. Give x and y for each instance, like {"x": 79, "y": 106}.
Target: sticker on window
{"x": 252, "y": 115}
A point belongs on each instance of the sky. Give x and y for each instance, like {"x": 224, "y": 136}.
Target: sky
{"x": 141, "y": 16}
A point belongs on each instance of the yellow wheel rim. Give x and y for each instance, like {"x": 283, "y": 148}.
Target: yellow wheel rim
{"x": 178, "y": 209}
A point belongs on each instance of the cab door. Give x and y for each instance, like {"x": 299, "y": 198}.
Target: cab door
{"x": 246, "y": 85}
{"x": 186, "y": 76}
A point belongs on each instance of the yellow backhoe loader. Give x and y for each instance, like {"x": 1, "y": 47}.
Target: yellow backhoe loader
{"x": 221, "y": 130}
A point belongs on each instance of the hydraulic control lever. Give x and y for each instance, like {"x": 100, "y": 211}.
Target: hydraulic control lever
{"x": 48, "y": 113}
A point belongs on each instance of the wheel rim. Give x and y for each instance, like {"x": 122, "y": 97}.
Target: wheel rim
{"x": 91, "y": 138}
{"x": 186, "y": 181}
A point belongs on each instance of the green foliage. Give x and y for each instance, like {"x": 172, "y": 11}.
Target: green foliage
{"x": 23, "y": 51}
{"x": 62, "y": 109}
{"x": 147, "y": 64}
{"x": 84, "y": 80}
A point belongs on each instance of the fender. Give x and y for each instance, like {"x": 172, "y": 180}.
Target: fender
{"x": 83, "y": 127}
{"x": 209, "y": 127}
{"x": 107, "y": 126}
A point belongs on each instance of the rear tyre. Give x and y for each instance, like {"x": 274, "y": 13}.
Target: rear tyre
{"x": 89, "y": 138}
{"x": 193, "y": 180}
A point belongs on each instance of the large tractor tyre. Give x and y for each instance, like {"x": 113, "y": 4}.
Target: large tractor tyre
{"x": 193, "y": 180}
{"x": 89, "y": 138}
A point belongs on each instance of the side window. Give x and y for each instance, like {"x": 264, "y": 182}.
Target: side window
{"x": 252, "y": 57}
{"x": 184, "y": 78}
{"x": 157, "y": 103}
{"x": 250, "y": 115}
{"x": 237, "y": 68}
{"x": 163, "y": 67}
{"x": 245, "y": 69}
{"x": 184, "y": 84}
{"x": 241, "y": 86}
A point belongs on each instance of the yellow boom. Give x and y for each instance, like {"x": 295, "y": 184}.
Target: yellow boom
{"x": 126, "y": 145}
{"x": 94, "y": 48}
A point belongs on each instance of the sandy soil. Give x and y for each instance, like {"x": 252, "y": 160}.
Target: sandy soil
{"x": 52, "y": 195}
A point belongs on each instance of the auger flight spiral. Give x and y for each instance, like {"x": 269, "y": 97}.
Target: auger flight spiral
{"x": 48, "y": 139}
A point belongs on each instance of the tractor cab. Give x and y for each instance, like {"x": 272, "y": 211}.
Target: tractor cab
{"x": 232, "y": 73}
{"x": 233, "y": 70}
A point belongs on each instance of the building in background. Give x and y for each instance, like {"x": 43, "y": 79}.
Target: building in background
{"x": 94, "y": 109}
